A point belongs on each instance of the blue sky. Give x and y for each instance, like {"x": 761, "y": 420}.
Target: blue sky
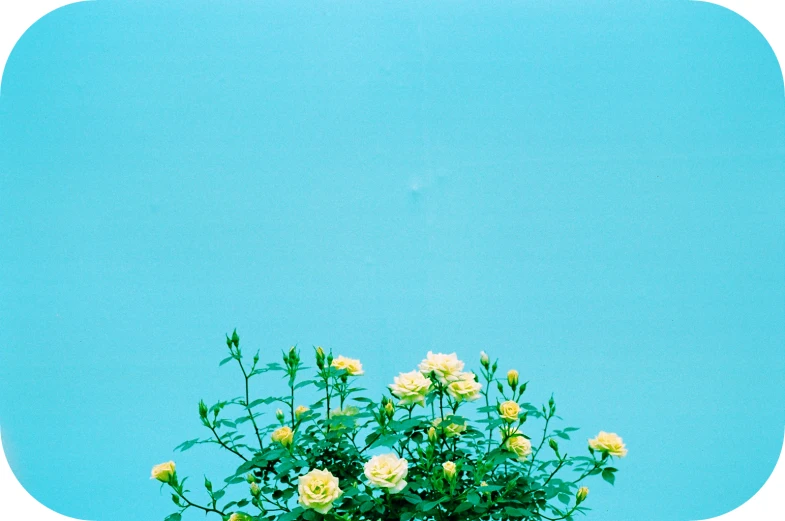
{"x": 591, "y": 191}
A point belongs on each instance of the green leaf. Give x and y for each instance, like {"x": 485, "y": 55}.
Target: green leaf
{"x": 291, "y": 516}
{"x": 517, "y": 512}
{"x": 173, "y": 517}
{"x": 411, "y": 498}
{"x": 427, "y": 506}
{"x": 226, "y": 360}
{"x": 187, "y": 445}
{"x": 463, "y": 507}
{"x": 608, "y": 476}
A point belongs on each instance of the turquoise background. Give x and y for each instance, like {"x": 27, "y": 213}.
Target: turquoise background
{"x": 591, "y": 191}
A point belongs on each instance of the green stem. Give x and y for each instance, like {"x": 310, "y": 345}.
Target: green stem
{"x": 207, "y": 510}
{"x": 487, "y": 405}
{"x": 248, "y": 403}
{"x": 544, "y": 437}
{"x": 560, "y": 465}
{"x": 224, "y": 445}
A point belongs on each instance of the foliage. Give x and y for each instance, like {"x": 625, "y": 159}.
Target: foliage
{"x": 439, "y": 456}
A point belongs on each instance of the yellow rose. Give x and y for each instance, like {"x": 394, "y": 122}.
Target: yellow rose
{"x": 446, "y": 367}
{"x": 352, "y": 366}
{"x": 318, "y": 490}
{"x": 283, "y": 435}
{"x": 163, "y": 472}
{"x": 387, "y": 471}
{"x": 581, "y": 495}
{"x": 433, "y": 437}
{"x": 300, "y": 410}
{"x": 411, "y": 388}
{"x": 509, "y": 410}
{"x": 449, "y": 469}
{"x": 451, "y": 430}
{"x": 609, "y": 442}
{"x": 512, "y": 378}
{"x": 518, "y": 445}
{"x": 350, "y": 410}
{"x": 239, "y": 517}
{"x": 464, "y": 388}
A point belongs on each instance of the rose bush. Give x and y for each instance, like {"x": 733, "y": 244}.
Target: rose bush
{"x": 446, "y": 444}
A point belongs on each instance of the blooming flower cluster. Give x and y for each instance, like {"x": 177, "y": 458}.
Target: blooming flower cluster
{"x": 423, "y": 452}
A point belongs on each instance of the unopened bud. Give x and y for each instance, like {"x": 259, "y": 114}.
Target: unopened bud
{"x": 389, "y": 408}
{"x": 202, "y": 410}
{"x": 581, "y": 495}
{"x": 433, "y": 437}
{"x": 235, "y": 338}
{"x": 250, "y": 478}
{"x": 255, "y": 490}
{"x": 484, "y": 360}
{"x": 554, "y": 445}
{"x": 500, "y": 387}
{"x": 320, "y": 357}
{"x": 512, "y": 378}
{"x": 279, "y": 414}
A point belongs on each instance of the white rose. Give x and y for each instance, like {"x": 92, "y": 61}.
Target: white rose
{"x": 411, "y": 388}
{"x": 387, "y": 471}
{"x": 318, "y": 490}
{"x": 464, "y": 388}
{"x": 446, "y": 367}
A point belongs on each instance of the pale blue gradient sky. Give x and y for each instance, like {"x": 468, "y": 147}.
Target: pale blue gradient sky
{"x": 592, "y": 191}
